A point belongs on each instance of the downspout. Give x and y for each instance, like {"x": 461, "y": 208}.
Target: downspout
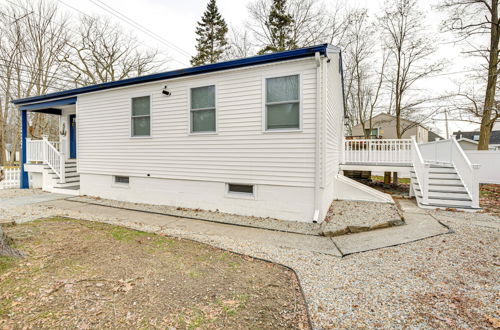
{"x": 317, "y": 168}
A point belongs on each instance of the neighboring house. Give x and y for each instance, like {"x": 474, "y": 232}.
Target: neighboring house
{"x": 384, "y": 127}
{"x": 258, "y": 136}
{"x": 470, "y": 140}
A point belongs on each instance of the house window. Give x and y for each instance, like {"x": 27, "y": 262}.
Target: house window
{"x": 122, "y": 179}
{"x": 374, "y": 132}
{"x": 141, "y": 116}
{"x": 240, "y": 189}
{"x": 202, "y": 109}
{"x": 282, "y": 103}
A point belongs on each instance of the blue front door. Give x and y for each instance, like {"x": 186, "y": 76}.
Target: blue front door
{"x": 72, "y": 136}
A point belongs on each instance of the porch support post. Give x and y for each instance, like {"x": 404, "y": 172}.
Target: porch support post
{"x": 24, "y": 180}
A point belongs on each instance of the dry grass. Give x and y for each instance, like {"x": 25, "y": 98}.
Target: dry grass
{"x": 81, "y": 274}
{"x": 490, "y": 198}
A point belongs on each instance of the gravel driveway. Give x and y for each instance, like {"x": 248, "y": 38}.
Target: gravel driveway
{"x": 449, "y": 281}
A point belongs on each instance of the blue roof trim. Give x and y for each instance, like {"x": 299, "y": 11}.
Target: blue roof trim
{"x": 255, "y": 60}
{"x": 49, "y": 104}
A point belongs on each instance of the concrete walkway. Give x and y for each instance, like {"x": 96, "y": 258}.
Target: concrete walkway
{"x": 419, "y": 225}
{"x": 28, "y": 200}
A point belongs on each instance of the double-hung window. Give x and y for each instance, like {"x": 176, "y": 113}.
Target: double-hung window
{"x": 202, "y": 110}
{"x": 141, "y": 116}
{"x": 282, "y": 103}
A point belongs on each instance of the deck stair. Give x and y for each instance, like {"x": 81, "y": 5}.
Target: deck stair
{"x": 445, "y": 189}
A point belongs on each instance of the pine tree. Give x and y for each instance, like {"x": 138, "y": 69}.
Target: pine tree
{"x": 211, "y": 31}
{"x": 279, "y": 25}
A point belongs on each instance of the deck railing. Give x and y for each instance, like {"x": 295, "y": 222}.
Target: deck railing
{"x": 388, "y": 151}
{"x": 44, "y": 151}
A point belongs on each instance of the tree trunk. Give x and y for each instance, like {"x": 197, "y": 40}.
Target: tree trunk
{"x": 489, "y": 100}
{"x": 5, "y": 249}
{"x": 395, "y": 178}
{"x": 387, "y": 177}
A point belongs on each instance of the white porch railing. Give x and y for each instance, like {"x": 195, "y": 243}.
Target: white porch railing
{"x": 34, "y": 150}
{"x": 45, "y": 152}
{"x": 10, "y": 177}
{"x": 450, "y": 152}
{"x": 388, "y": 151}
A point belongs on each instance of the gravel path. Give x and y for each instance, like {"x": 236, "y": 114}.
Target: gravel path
{"x": 448, "y": 281}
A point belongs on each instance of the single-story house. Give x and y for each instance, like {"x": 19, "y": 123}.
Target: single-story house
{"x": 259, "y": 136}
{"x": 470, "y": 140}
{"x": 384, "y": 127}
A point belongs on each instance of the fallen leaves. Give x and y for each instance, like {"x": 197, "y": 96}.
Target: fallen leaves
{"x": 494, "y": 321}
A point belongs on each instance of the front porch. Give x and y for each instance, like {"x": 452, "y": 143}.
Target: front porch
{"x": 50, "y": 163}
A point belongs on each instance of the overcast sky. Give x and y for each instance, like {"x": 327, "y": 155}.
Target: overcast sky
{"x": 175, "y": 21}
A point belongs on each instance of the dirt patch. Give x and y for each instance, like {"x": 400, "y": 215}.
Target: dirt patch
{"x": 349, "y": 217}
{"x": 490, "y": 198}
{"x": 400, "y": 189}
{"x": 81, "y": 274}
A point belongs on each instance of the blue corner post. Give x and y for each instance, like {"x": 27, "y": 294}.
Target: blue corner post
{"x": 24, "y": 181}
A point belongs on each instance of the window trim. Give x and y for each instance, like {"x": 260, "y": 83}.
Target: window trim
{"x": 264, "y": 104}
{"x": 377, "y": 128}
{"x": 131, "y": 117}
{"x": 240, "y": 195}
{"x": 190, "y": 118}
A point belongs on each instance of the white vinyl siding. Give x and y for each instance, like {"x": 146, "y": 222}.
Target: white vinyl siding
{"x": 334, "y": 118}
{"x": 241, "y": 152}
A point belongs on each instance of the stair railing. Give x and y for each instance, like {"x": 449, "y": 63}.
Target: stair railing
{"x": 421, "y": 170}
{"x": 54, "y": 159}
{"x": 467, "y": 171}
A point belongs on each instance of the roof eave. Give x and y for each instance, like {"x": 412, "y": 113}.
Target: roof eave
{"x": 249, "y": 61}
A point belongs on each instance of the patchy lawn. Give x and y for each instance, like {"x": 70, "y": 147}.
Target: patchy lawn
{"x": 490, "y": 198}
{"x": 81, "y": 274}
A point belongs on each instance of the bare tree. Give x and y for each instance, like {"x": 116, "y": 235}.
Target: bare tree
{"x": 240, "y": 44}
{"x": 33, "y": 37}
{"x": 364, "y": 73}
{"x": 102, "y": 52}
{"x": 410, "y": 50}
{"x": 310, "y": 25}
{"x": 477, "y": 25}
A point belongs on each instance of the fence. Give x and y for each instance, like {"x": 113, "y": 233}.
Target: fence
{"x": 9, "y": 177}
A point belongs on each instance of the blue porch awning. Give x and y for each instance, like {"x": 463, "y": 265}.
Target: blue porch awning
{"x": 50, "y": 107}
